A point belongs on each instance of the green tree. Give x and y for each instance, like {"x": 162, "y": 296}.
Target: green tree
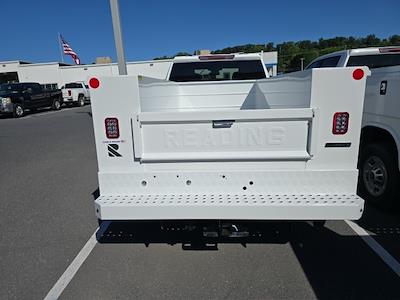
{"x": 394, "y": 40}
{"x": 183, "y": 54}
{"x": 290, "y": 53}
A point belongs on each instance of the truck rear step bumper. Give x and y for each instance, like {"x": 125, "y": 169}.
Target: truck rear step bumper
{"x": 229, "y": 206}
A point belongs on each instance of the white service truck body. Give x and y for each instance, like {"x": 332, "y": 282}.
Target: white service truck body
{"x": 282, "y": 148}
{"x": 379, "y": 160}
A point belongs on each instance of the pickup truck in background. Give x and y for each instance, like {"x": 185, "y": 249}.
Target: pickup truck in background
{"x": 221, "y": 141}
{"x": 379, "y": 160}
{"x": 16, "y": 98}
{"x": 76, "y": 93}
{"x": 220, "y": 67}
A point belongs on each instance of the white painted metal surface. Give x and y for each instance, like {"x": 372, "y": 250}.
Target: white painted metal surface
{"x": 171, "y": 143}
{"x": 383, "y": 111}
{"x": 200, "y": 140}
{"x": 222, "y": 177}
{"x": 42, "y": 73}
{"x": 380, "y": 111}
{"x": 162, "y": 96}
{"x": 229, "y": 206}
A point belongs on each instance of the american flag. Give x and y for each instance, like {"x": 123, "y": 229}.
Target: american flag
{"x": 68, "y": 51}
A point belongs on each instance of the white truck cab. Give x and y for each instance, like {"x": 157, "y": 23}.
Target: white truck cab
{"x": 228, "y": 147}
{"x": 379, "y": 160}
{"x": 218, "y": 67}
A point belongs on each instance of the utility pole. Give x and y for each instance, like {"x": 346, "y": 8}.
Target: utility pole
{"x": 302, "y": 63}
{"x": 118, "y": 37}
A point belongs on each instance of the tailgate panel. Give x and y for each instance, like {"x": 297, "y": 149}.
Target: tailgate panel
{"x": 215, "y": 140}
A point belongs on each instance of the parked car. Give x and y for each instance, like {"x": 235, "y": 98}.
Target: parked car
{"x": 379, "y": 160}
{"x": 16, "y": 98}
{"x": 76, "y": 93}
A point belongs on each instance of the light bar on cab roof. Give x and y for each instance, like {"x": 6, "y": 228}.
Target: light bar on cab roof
{"x": 216, "y": 56}
{"x": 389, "y": 50}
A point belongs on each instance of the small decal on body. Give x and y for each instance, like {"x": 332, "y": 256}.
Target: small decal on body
{"x": 113, "y": 150}
{"x": 114, "y": 142}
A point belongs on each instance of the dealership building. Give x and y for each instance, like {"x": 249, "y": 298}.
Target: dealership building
{"x": 56, "y": 74}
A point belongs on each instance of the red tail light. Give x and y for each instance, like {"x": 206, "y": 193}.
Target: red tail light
{"x": 69, "y": 93}
{"x": 112, "y": 128}
{"x": 340, "y": 123}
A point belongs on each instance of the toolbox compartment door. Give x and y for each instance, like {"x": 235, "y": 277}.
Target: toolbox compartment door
{"x": 244, "y": 135}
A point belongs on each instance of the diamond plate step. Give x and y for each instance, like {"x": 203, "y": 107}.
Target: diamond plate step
{"x": 229, "y": 206}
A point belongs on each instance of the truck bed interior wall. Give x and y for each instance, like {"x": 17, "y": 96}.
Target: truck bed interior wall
{"x": 290, "y": 91}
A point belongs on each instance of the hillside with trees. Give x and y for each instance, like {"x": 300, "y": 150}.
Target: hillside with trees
{"x": 291, "y": 53}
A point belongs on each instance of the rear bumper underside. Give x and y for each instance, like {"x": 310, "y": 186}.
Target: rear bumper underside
{"x": 229, "y": 206}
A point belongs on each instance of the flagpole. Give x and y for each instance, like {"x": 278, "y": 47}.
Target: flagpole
{"x": 61, "y": 50}
{"x": 118, "y": 37}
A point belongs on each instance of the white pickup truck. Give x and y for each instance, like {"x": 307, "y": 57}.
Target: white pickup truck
{"x": 220, "y": 141}
{"x": 379, "y": 163}
{"x": 76, "y": 93}
{"x": 220, "y": 67}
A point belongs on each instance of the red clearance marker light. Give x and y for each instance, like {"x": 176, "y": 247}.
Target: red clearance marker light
{"x": 112, "y": 128}
{"x": 94, "y": 83}
{"x": 340, "y": 123}
{"x": 358, "y": 74}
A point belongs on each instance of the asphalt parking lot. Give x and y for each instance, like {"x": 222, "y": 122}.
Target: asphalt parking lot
{"x": 48, "y": 184}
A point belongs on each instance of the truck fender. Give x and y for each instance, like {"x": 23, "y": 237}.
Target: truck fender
{"x": 390, "y": 131}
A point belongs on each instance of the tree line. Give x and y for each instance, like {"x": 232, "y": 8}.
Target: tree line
{"x": 290, "y": 54}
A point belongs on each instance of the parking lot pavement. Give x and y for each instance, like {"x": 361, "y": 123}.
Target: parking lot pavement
{"x": 384, "y": 227}
{"x": 47, "y": 216}
{"x": 48, "y": 165}
{"x": 305, "y": 263}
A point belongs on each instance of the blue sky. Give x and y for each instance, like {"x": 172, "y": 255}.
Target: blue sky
{"x": 156, "y": 28}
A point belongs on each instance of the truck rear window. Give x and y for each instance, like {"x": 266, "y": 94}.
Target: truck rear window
{"x": 329, "y": 62}
{"x": 7, "y": 87}
{"x": 374, "y": 61}
{"x": 217, "y": 70}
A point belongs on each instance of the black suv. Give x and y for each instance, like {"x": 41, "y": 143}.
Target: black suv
{"x": 15, "y": 98}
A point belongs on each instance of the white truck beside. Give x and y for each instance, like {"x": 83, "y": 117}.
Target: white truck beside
{"x": 75, "y": 93}
{"x": 220, "y": 141}
{"x": 379, "y": 160}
